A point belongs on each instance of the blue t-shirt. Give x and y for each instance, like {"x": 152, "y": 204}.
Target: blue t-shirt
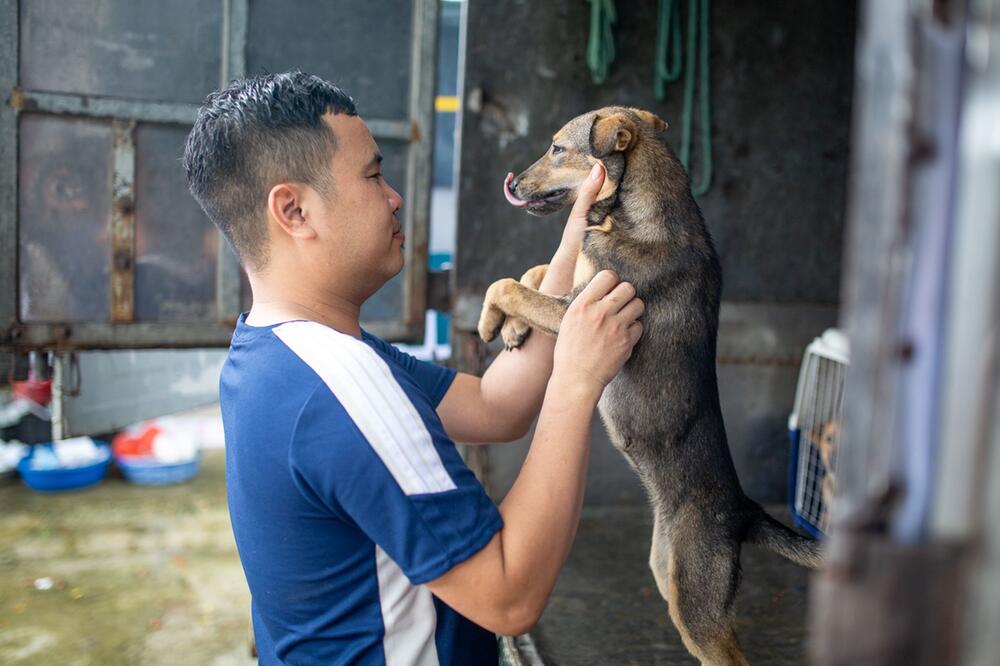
{"x": 346, "y": 495}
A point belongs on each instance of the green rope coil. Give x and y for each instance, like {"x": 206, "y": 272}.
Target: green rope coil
{"x": 601, "y": 44}
{"x": 668, "y": 61}
{"x": 696, "y": 70}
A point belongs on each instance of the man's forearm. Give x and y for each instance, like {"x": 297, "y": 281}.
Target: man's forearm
{"x": 514, "y": 384}
{"x": 542, "y": 510}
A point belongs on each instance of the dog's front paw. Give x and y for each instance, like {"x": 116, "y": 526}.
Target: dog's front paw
{"x": 490, "y": 320}
{"x": 515, "y": 331}
{"x": 492, "y": 316}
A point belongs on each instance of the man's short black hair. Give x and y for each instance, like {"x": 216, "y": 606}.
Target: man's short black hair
{"x": 253, "y": 134}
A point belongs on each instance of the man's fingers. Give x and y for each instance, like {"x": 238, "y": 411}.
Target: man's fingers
{"x": 632, "y": 310}
{"x": 588, "y": 191}
{"x": 598, "y": 287}
{"x": 635, "y": 331}
{"x": 619, "y": 296}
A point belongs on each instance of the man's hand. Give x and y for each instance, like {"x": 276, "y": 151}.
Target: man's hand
{"x": 598, "y": 332}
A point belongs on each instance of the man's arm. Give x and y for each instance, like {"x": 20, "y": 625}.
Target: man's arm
{"x": 505, "y": 586}
{"x": 501, "y": 406}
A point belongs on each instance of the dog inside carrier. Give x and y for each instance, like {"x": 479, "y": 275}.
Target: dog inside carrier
{"x": 814, "y": 428}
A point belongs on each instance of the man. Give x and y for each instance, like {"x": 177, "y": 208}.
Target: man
{"x": 363, "y": 536}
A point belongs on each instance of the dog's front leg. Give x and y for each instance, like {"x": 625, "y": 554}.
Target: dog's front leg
{"x": 509, "y": 298}
{"x": 515, "y": 330}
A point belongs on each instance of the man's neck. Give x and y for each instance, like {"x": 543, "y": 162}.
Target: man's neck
{"x": 275, "y": 312}
{"x": 273, "y": 307}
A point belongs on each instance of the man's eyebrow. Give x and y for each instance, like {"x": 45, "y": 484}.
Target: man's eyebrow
{"x": 375, "y": 161}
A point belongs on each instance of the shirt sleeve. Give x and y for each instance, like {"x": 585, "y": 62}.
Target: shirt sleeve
{"x": 396, "y": 475}
{"x": 434, "y": 379}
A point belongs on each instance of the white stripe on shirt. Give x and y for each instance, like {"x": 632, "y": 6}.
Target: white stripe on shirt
{"x": 408, "y": 614}
{"x": 363, "y": 383}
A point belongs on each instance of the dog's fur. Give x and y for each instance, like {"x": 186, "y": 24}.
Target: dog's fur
{"x": 662, "y": 410}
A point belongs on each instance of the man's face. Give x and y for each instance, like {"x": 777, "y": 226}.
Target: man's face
{"x": 359, "y": 226}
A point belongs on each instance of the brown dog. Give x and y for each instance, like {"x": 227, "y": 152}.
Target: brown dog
{"x": 826, "y": 437}
{"x": 662, "y": 410}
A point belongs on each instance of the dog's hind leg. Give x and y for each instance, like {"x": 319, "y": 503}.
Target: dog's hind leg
{"x": 659, "y": 556}
{"x": 515, "y": 330}
{"x": 702, "y": 578}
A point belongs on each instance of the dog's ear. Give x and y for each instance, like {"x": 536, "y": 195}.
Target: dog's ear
{"x": 658, "y": 124}
{"x": 613, "y": 133}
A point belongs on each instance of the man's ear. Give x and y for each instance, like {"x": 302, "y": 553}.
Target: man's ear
{"x": 658, "y": 124}
{"x": 285, "y": 207}
{"x": 613, "y": 133}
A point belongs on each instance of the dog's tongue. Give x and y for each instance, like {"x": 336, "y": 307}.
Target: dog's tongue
{"x": 511, "y": 199}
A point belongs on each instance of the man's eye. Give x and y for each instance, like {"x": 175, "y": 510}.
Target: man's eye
{"x": 376, "y": 175}
{"x": 556, "y": 149}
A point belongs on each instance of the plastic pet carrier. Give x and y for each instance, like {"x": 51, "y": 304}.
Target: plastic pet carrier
{"x": 814, "y": 429}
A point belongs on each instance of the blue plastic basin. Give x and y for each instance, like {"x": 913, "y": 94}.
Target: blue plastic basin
{"x": 64, "y": 478}
{"x": 148, "y": 472}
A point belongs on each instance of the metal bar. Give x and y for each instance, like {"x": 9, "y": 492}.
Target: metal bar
{"x": 402, "y": 130}
{"x": 123, "y": 222}
{"x": 423, "y": 60}
{"x": 237, "y": 40}
{"x": 883, "y": 115}
{"x": 974, "y": 286}
{"x": 138, "y": 335}
{"x": 519, "y": 651}
{"x": 227, "y": 274}
{"x": 60, "y": 377}
{"x": 185, "y": 114}
{"x": 104, "y": 107}
{"x": 8, "y": 163}
{"x": 224, "y": 60}
{"x": 940, "y": 51}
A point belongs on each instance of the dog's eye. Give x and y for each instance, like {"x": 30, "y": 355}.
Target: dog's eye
{"x": 556, "y": 149}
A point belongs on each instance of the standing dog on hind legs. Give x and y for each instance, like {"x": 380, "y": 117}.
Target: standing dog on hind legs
{"x": 662, "y": 411}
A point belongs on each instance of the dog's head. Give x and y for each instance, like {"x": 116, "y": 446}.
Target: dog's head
{"x": 606, "y": 135}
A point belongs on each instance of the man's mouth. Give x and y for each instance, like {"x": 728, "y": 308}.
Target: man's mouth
{"x": 398, "y": 234}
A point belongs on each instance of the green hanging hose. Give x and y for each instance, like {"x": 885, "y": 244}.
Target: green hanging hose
{"x": 696, "y": 66}
{"x": 668, "y": 61}
{"x": 601, "y": 45}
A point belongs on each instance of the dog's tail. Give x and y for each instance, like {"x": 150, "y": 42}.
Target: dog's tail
{"x": 767, "y": 532}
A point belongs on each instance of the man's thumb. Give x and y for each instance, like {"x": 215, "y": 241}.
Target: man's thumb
{"x": 589, "y": 189}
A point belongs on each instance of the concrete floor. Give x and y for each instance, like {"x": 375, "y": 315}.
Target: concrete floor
{"x": 151, "y": 576}
{"x": 139, "y": 575}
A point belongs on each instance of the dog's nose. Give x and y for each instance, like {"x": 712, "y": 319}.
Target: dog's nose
{"x": 513, "y": 185}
